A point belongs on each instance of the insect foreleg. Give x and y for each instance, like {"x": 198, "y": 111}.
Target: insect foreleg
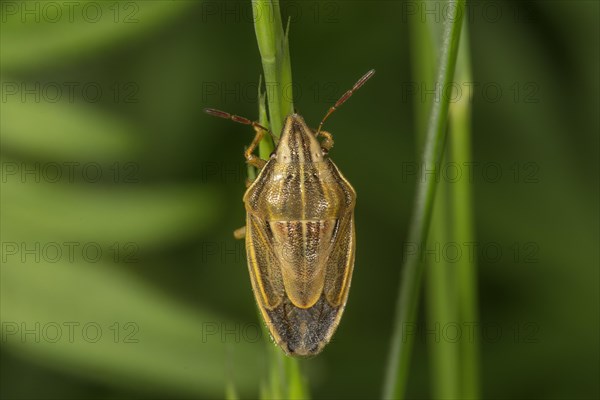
{"x": 327, "y": 143}
{"x": 258, "y": 128}
{"x": 240, "y": 233}
{"x": 251, "y": 158}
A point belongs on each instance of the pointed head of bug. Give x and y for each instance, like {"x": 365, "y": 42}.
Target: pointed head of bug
{"x": 298, "y": 143}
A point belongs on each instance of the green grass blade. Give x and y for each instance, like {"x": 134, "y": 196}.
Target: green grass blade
{"x": 266, "y": 145}
{"x": 272, "y": 43}
{"x": 285, "y": 378}
{"x": 459, "y": 143}
{"x": 441, "y": 301}
{"x": 406, "y": 309}
{"x": 440, "y": 282}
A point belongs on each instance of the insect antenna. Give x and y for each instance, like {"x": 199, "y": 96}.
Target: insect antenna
{"x": 345, "y": 97}
{"x": 237, "y": 118}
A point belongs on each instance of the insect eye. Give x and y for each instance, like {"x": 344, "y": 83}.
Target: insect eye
{"x": 272, "y": 154}
{"x": 325, "y": 152}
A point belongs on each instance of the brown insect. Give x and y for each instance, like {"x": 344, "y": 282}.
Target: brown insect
{"x": 300, "y": 235}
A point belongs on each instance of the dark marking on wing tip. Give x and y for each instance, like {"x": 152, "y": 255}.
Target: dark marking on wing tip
{"x": 303, "y": 332}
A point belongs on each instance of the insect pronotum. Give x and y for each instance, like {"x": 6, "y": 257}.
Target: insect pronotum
{"x": 300, "y": 239}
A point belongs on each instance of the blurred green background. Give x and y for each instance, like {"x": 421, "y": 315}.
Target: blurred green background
{"x": 120, "y": 276}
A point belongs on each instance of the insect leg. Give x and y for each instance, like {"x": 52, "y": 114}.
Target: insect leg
{"x": 240, "y": 233}
{"x": 327, "y": 143}
{"x": 251, "y": 158}
{"x": 258, "y": 128}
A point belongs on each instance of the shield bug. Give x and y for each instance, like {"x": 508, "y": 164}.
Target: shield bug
{"x": 299, "y": 232}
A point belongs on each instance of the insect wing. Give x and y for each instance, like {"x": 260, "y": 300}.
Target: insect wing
{"x": 300, "y": 331}
{"x": 341, "y": 263}
{"x": 263, "y": 264}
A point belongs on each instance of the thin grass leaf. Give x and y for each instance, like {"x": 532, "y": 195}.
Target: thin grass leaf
{"x": 440, "y": 284}
{"x": 463, "y": 224}
{"x": 286, "y": 380}
{"x": 272, "y": 43}
{"x": 409, "y": 288}
{"x": 440, "y": 290}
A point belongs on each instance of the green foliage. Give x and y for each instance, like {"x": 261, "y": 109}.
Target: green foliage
{"x": 148, "y": 341}
{"x": 408, "y": 293}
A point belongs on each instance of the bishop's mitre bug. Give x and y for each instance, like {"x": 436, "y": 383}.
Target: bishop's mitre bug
{"x": 299, "y": 232}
